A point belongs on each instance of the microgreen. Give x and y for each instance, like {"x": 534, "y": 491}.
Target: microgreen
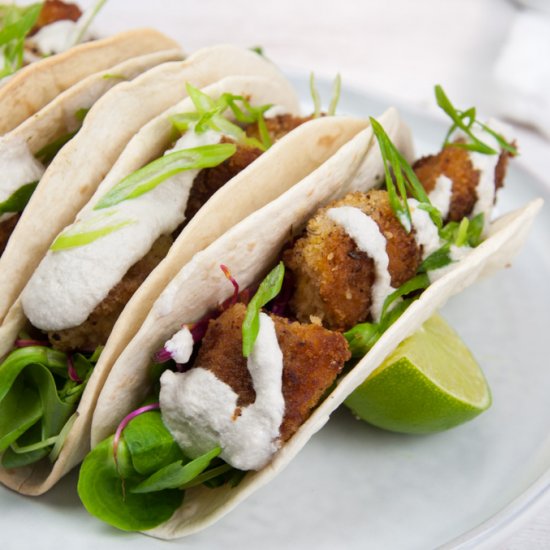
{"x": 87, "y": 231}
{"x": 37, "y": 399}
{"x": 316, "y": 98}
{"x": 466, "y": 121}
{"x": 406, "y": 182}
{"x": 84, "y": 23}
{"x": 16, "y": 23}
{"x": 153, "y": 174}
{"x": 268, "y": 289}
{"x": 17, "y": 201}
{"x": 142, "y": 487}
{"x": 210, "y": 114}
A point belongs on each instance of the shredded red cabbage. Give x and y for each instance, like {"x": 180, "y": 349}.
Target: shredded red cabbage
{"x": 25, "y": 343}
{"x": 162, "y": 356}
{"x": 279, "y": 305}
{"x": 227, "y": 273}
{"x": 73, "y": 375}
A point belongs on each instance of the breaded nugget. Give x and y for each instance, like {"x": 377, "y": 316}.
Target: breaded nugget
{"x": 208, "y": 181}
{"x": 312, "y": 358}
{"x": 96, "y": 329}
{"x": 454, "y": 162}
{"x": 278, "y": 126}
{"x": 56, "y": 10}
{"x": 333, "y": 277}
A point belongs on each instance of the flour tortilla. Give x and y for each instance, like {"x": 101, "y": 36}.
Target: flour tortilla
{"x": 77, "y": 170}
{"x": 35, "y": 85}
{"x": 200, "y": 286}
{"x": 282, "y": 166}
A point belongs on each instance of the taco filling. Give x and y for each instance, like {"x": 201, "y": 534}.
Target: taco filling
{"x": 94, "y": 267}
{"x": 235, "y": 386}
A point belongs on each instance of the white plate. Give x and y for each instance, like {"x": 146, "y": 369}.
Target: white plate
{"x": 355, "y": 486}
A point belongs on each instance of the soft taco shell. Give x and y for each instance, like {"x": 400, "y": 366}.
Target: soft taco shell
{"x": 32, "y": 87}
{"x": 77, "y": 170}
{"x": 200, "y": 286}
{"x": 286, "y": 163}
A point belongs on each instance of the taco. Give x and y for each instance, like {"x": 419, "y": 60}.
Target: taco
{"x": 157, "y": 207}
{"x": 42, "y": 56}
{"x": 249, "y": 376}
{"x": 77, "y": 169}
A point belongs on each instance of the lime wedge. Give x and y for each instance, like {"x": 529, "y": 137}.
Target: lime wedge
{"x": 431, "y": 382}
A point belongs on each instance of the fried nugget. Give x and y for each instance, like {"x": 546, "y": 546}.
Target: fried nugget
{"x": 333, "y": 277}
{"x": 278, "y": 126}
{"x": 96, "y": 329}
{"x": 56, "y": 10}
{"x": 312, "y": 358}
{"x": 208, "y": 181}
{"x": 454, "y": 162}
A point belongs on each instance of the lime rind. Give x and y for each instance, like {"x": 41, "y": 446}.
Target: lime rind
{"x": 431, "y": 382}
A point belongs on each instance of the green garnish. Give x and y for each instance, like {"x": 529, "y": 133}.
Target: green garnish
{"x": 465, "y": 121}
{"x": 405, "y": 182}
{"x": 316, "y": 98}
{"x": 209, "y": 114}
{"x": 362, "y": 337}
{"x": 268, "y": 289}
{"x": 17, "y": 201}
{"x": 108, "y": 76}
{"x": 37, "y": 400}
{"x": 49, "y": 151}
{"x": 87, "y": 231}
{"x": 85, "y": 21}
{"x": 146, "y": 487}
{"x": 16, "y": 23}
{"x": 153, "y": 174}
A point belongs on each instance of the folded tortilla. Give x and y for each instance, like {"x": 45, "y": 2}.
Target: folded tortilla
{"x": 35, "y": 85}
{"x": 77, "y": 170}
{"x": 287, "y": 162}
{"x": 200, "y": 287}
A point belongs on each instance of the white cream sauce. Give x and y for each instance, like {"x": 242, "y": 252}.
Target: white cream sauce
{"x": 426, "y": 233}
{"x": 440, "y": 195}
{"x": 17, "y": 168}
{"x": 180, "y": 346}
{"x": 54, "y": 38}
{"x": 370, "y": 240}
{"x": 68, "y": 284}
{"x": 201, "y": 411}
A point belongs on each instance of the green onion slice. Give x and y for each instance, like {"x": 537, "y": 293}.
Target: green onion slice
{"x": 87, "y": 231}
{"x": 268, "y": 289}
{"x": 153, "y": 174}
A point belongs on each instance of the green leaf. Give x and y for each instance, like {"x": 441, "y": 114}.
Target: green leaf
{"x": 150, "y": 444}
{"x": 418, "y": 282}
{"x": 152, "y": 175}
{"x": 85, "y": 21}
{"x": 107, "y": 497}
{"x": 19, "y": 410}
{"x": 87, "y": 231}
{"x": 33, "y": 410}
{"x": 177, "y": 474}
{"x": 268, "y": 289}
{"x": 361, "y": 338}
{"x": 19, "y": 199}
{"x": 16, "y": 23}
{"x": 48, "y": 152}
{"x": 436, "y": 260}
